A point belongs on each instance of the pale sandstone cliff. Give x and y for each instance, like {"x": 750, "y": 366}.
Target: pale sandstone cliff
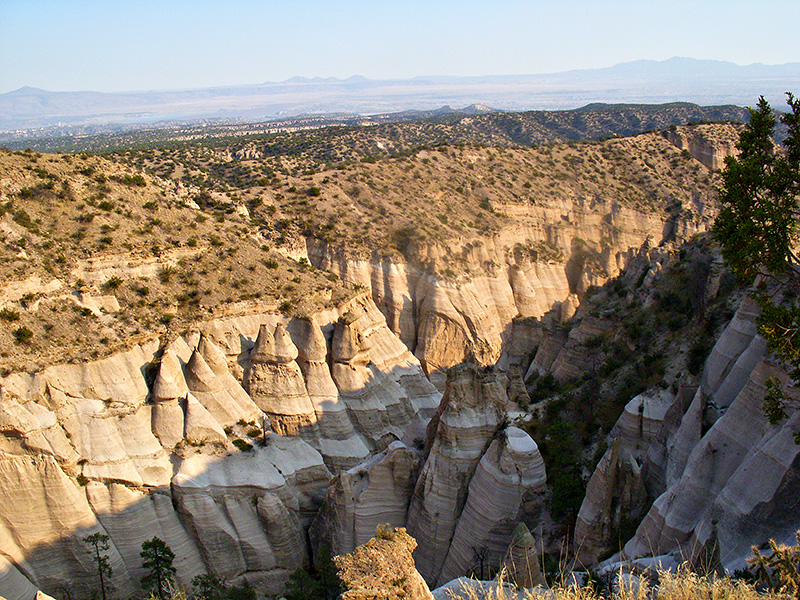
{"x": 708, "y": 143}
{"x": 551, "y": 255}
{"x": 719, "y": 471}
{"x": 140, "y": 444}
{"x": 479, "y": 479}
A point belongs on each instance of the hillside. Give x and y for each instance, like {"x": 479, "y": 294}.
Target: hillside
{"x": 260, "y": 356}
{"x": 333, "y": 138}
{"x": 200, "y": 230}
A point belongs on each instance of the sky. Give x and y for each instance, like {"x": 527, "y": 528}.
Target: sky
{"x": 127, "y": 45}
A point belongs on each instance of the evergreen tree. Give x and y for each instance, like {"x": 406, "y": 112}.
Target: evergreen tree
{"x": 97, "y": 547}
{"x": 157, "y": 558}
{"x": 759, "y": 230}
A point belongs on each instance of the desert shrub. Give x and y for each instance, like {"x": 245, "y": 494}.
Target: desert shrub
{"x": 165, "y": 273}
{"x": 22, "y": 335}
{"x": 7, "y": 314}
{"x": 243, "y": 445}
{"x": 384, "y": 531}
{"x": 779, "y": 570}
{"x": 112, "y": 283}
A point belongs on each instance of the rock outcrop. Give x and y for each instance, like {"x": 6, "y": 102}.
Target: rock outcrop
{"x": 521, "y": 562}
{"x": 478, "y": 480}
{"x": 375, "y": 492}
{"x": 382, "y": 568}
{"x": 509, "y": 475}
{"x": 702, "y": 461}
{"x": 548, "y": 259}
{"x": 708, "y": 143}
{"x": 276, "y": 385}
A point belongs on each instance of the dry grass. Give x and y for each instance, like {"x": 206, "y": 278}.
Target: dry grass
{"x": 683, "y": 585}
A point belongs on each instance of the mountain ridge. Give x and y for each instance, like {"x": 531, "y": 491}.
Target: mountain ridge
{"x": 699, "y": 81}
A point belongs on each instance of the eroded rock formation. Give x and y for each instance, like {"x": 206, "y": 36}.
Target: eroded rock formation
{"x": 547, "y": 260}
{"x": 478, "y": 479}
{"x": 91, "y": 447}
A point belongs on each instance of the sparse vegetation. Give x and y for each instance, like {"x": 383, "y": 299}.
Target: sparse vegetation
{"x": 243, "y": 445}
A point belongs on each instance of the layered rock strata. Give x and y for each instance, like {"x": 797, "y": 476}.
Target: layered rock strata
{"x": 547, "y": 260}
{"x": 521, "y": 562}
{"x": 375, "y": 492}
{"x": 509, "y": 475}
{"x": 710, "y": 451}
{"x": 275, "y": 383}
{"x": 708, "y": 143}
{"x": 478, "y": 479}
{"x": 93, "y": 447}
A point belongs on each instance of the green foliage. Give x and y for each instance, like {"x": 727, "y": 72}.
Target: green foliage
{"x": 131, "y": 180}
{"x": 243, "y": 445}
{"x": 384, "y": 531}
{"x": 757, "y": 225}
{"x": 318, "y": 583}
{"x": 112, "y": 283}
{"x": 208, "y": 587}
{"x": 97, "y": 546}
{"x": 697, "y": 355}
{"x": 157, "y": 559}
{"x": 758, "y": 230}
{"x": 166, "y": 273}
{"x": 22, "y": 335}
{"x": 8, "y": 314}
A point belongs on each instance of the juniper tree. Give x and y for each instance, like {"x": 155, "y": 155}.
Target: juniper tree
{"x": 758, "y": 228}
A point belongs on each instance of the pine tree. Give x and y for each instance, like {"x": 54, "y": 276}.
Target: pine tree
{"x": 97, "y": 547}
{"x": 157, "y": 558}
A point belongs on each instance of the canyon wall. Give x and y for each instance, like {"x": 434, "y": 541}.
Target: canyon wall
{"x": 729, "y": 475}
{"x": 198, "y": 441}
{"x": 547, "y": 259}
{"x": 476, "y": 480}
{"x": 719, "y": 472}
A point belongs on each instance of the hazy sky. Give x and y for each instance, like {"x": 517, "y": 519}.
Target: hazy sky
{"x": 117, "y": 45}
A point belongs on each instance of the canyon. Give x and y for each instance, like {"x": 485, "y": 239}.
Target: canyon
{"x": 250, "y": 437}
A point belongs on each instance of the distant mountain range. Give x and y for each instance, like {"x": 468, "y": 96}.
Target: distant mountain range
{"x": 703, "y": 82}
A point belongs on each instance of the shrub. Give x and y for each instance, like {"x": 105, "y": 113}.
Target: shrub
{"x": 384, "y": 532}
{"x": 112, "y": 283}
{"x": 780, "y": 569}
{"x": 243, "y": 445}
{"x": 22, "y": 335}
{"x": 7, "y": 314}
{"x": 165, "y": 273}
